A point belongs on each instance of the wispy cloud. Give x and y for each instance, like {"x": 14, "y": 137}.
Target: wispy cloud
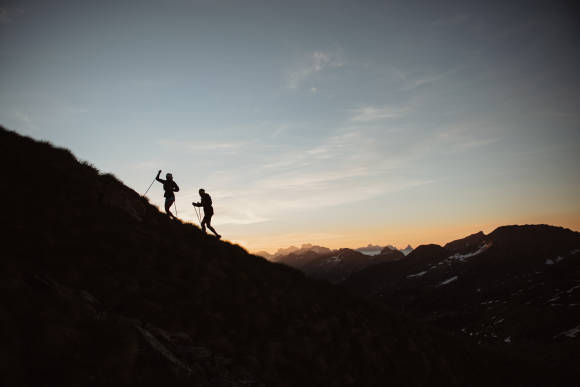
{"x": 414, "y": 80}
{"x": 476, "y": 143}
{"x": 26, "y": 120}
{"x": 343, "y": 168}
{"x": 375, "y": 113}
{"x": 275, "y": 198}
{"x": 201, "y": 146}
{"x": 239, "y": 215}
{"x": 352, "y": 165}
{"x": 465, "y": 136}
{"x": 314, "y": 63}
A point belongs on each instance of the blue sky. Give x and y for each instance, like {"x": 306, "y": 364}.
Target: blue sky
{"x": 339, "y": 123}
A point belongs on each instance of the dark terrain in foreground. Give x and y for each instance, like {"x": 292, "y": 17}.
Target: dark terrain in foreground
{"x": 98, "y": 288}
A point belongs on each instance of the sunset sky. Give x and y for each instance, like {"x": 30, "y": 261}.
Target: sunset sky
{"x": 337, "y": 123}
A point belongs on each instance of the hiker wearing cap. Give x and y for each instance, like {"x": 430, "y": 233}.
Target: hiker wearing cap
{"x": 207, "y": 211}
{"x": 169, "y": 186}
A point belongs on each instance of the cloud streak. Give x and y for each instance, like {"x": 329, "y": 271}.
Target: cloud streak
{"x": 206, "y": 147}
{"x": 376, "y": 113}
{"x": 316, "y": 62}
{"x": 465, "y": 136}
{"x": 411, "y": 80}
{"x": 344, "y": 168}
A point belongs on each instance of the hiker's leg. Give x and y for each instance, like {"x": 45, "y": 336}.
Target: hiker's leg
{"x": 168, "y": 203}
{"x": 203, "y": 223}
{"x": 210, "y": 227}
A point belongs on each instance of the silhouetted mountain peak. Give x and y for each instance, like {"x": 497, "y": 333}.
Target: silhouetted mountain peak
{"x": 470, "y": 242}
{"x": 388, "y": 249}
{"x": 370, "y": 249}
{"x": 428, "y": 251}
{"x": 407, "y": 250}
{"x": 305, "y": 248}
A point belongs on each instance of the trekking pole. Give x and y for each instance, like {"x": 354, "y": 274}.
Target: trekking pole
{"x": 197, "y": 213}
{"x": 149, "y": 187}
{"x": 175, "y": 204}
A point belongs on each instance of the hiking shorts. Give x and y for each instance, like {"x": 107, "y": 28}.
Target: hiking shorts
{"x": 207, "y": 214}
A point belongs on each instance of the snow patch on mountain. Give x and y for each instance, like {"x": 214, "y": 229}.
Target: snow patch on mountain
{"x": 463, "y": 257}
{"x": 571, "y": 333}
{"x": 372, "y": 250}
{"x": 417, "y": 274}
{"x": 572, "y": 289}
{"x": 448, "y": 280}
{"x": 553, "y": 261}
{"x": 561, "y": 293}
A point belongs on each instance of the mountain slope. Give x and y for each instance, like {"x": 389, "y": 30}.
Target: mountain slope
{"x": 518, "y": 286}
{"x": 99, "y": 288}
{"x": 334, "y": 266}
{"x": 466, "y": 244}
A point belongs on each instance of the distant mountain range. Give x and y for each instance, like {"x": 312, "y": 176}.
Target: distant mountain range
{"x": 334, "y": 265}
{"x": 307, "y": 247}
{"x": 372, "y": 249}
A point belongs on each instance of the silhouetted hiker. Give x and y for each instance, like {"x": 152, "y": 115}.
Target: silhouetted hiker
{"x": 169, "y": 186}
{"x": 207, "y": 211}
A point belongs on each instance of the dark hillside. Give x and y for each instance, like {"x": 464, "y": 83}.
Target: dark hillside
{"x": 517, "y": 289}
{"x": 98, "y": 288}
{"x": 336, "y": 265}
{"x": 466, "y": 244}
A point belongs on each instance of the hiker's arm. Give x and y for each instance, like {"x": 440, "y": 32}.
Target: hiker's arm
{"x": 196, "y": 204}
{"x": 158, "y": 179}
{"x": 175, "y": 187}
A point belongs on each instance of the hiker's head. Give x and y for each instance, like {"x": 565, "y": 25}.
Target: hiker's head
{"x": 201, "y": 191}
{"x": 169, "y": 176}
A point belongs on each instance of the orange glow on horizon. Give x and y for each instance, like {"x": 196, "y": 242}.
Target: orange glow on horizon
{"x": 401, "y": 237}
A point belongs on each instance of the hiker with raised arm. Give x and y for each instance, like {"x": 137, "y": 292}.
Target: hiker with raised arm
{"x": 207, "y": 211}
{"x": 169, "y": 186}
